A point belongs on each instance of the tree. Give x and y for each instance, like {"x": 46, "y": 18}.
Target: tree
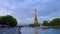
{"x": 7, "y": 23}
{"x": 9, "y": 20}
{"x": 55, "y": 22}
{"x": 0, "y": 20}
{"x": 45, "y": 23}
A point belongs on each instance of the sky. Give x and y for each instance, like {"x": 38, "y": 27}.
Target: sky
{"x": 23, "y": 10}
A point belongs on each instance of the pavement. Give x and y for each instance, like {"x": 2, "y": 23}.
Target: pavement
{"x": 10, "y": 30}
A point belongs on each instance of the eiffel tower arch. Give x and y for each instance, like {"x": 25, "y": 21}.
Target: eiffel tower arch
{"x": 35, "y": 18}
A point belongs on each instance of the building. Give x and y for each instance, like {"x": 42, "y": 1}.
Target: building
{"x": 35, "y": 18}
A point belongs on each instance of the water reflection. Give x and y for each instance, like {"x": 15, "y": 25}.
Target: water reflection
{"x": 36, "y": 30}
{"x": 19, "y": 32}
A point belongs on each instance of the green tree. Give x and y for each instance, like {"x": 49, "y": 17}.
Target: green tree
{"x": 9, "y": 20}
{"x": 7, "y": 23}
{"x": 55, "y": 22}
{"x": 0, "y": 20}
{"x": 45, "y": 23}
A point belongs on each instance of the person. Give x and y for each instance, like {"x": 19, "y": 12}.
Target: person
{"x": 19, "y": 32}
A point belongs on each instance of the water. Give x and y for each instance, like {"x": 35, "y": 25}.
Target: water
{"x": 29, "y": 30}
{"x": 36, "y": 30}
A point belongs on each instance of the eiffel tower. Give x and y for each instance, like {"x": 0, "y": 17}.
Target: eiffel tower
{"x": 35, "y": 18}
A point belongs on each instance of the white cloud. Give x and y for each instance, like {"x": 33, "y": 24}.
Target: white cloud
{"x": 48, "y": 18}
{"x": 27, "y": 21}
{"x": 4, "y": 11}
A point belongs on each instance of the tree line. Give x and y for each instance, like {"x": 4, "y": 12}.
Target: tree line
{"x": 8, "y": 20}
{"x": 54, "y": 22}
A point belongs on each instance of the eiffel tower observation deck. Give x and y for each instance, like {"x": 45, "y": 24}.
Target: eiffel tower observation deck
{"x": 35, "y": 18}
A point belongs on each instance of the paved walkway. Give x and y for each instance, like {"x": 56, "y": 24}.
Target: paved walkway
{"x": 10, "y": 31}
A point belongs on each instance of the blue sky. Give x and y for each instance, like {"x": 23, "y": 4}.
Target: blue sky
{"x": 23, "y": 10}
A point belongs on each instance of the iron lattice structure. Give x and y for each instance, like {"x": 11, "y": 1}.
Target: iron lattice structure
{"x": 35, "y": 18}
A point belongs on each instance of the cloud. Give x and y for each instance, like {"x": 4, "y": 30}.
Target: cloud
{"x": 46, "y": 9}
{"x": 4, "y": 11}
{"x": 27, "y": 21}
{"x": 23, "y": 10}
